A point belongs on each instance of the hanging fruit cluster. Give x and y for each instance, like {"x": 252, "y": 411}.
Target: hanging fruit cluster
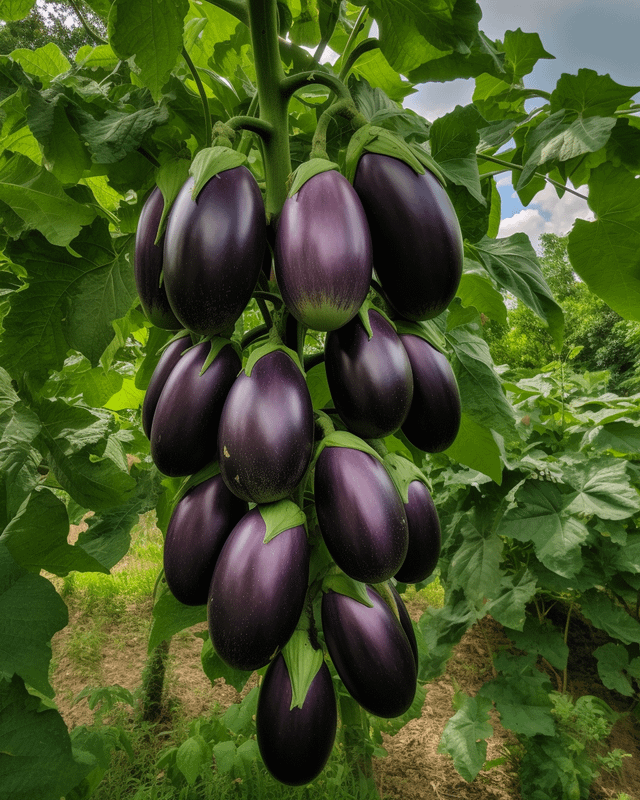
{"x": 298, "y": 522}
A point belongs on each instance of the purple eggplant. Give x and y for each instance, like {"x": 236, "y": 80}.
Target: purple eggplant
{"x": 265, "y": 438}
{"x": 148, "y": 261}
{"x": 213, "y": 250}
{"x": 257, "y": 592}
{"x": 295, "y": 744}
{"x": 184, "y": 431}
{"x": 370, "y": 379}
{"x": 323, "y": 252}
{"x": 424, "y": 536}
{"x": 199, "y": 526}
{"x": 433, "y": 420}
{"x": 163, "y": 369}
{"x": 370, "y": 652}
{"x": 417, "y": 243}
{"x": 360, "y": 514}
{"x": 405, "y": 621}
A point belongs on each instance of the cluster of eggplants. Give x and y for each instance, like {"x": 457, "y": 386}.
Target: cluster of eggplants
{"x": 331, "y": 240}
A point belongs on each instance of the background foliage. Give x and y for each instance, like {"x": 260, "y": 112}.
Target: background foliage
{"x": 538, "y": 495}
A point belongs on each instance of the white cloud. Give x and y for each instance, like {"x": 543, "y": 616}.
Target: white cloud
{"x": 547, "y": 213}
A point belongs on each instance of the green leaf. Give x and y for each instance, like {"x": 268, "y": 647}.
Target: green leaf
{"x": 119, "y": 133}
{"x": 512, "y": 599}
{"x": 542, "y": 638}
{"x": 603, "y": 488}
{"x": 540, "y": 517}
{"x": 45, "y": 62}
{"x": 607, "y": 616}
{"x": 170, "y": 616}
{"x": 37, "y": 538}
{"x": 210, "y": 162}
{"x": 523, "y": 51}
{"x": 37, "y": 197}
{"x": 475, "y": 566}
{"x": 32, "y": 611}
{"x": 151, "y": 31}
{"x": 521, "y": 695}
{"x": 12, "y": 10}
{"x": 621, "y": 438}
{"x": 477, "y": 291}
{"x": 589, "y": 94}
{"x": 319, "y": 387}
{"x": 465, "y": 736}
{"x": 214, "y": 667}
{"x": 613, "y": 668}
{"x": 193, "y": 756}
{"x": 513, "y": 264}
{"x": 447, "y": 65}
{"x": 36, "y": 758}
{"x": 375, "y": 68}
{"x": 482, "y": 396}
{"x": 69, "y": 302}
{"x": 495, "y": 98}
{"x": 454, "y": 138}
{"x": 280, "y": 516}
{"x": 476, "y": 447}
{"x": 606, "y": 253}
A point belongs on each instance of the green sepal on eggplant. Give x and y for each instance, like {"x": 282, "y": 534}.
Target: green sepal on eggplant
{"x": 280, "y": 516}
{"x": 210, "y": 162}
{"x": 374, "y": 139}
{"x": 402, "y": 472}
{"x": 429, "y": 330}
{"x": 274, "y": 343}
{"x": 307, "y": 170}
{"x": 337, "y": 581}
{"x": 303, "y": 661}
{"x": 170, "y": 179}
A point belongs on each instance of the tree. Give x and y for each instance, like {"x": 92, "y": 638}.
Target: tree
{"x": 52, "y": 22}
{"x": 86, "y": 138}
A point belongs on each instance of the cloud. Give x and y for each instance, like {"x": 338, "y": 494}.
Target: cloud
{"x": 547, "y": 213}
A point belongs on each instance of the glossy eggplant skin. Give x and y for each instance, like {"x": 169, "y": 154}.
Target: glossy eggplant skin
{"x": 424, "y": 536}
{"x": 164, "y": 367}
{"x": 360, "y": 514}
{"x": 184, "y": 431}
{"x": 433, "y": 420}
{"x": 323, "y": 252}
{"x": 213, "y": 250}
{"x": 370, "y": 652}
{"x": 295, "y": 744}
{"x": 265, "y": 439}
{"x": 405, "y": 621}
{"x": 199, "y": 526}
{"x": 148, "y": 260}
{"x": 417, "y": 243}
{"x": 257, "y": 592}
{"x": 370, "y": 380}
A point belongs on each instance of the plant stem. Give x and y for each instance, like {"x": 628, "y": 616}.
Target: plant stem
{"x": 509, "y": 165}
{"x": 263, "y": 23}
{"x": 238, "y": 8}
{"x": 566, "y": 637}
{"x": 292, "y": 83}
{"x": 344, "y": 108}
{"x": 362, "y": 48}
{"x": 203, "y": 95}
{"x": 88, "y": 28}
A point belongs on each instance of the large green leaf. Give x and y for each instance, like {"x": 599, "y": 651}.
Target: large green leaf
{"x": 590, "y": 94}
{"x": 543, "y": 638}
{"x": 606, "y": 253}
{"x": 38, "y": 198}
{"x": 540, "y": 517}
{"x": 36, "y": 758}
{"x": 454, "y": 138}
{"x": 615, "y": 669}
{"x": 170, "y": 616}
{"x": 476, "y": 446}
{"x": 477, "y": 290}
{"x": 45, "y": 62}
{"x": 151, "y": 32}
{"x": 475, "y": 567}
{"x": 374, "y": 67}
{"x": 118, "y": 133}
{"x": 12, "y": 10}
{"x": 37, "y": 537}
{"x": 512, "y": 599}
{"x": 465, "y": 736}
{"x": 448, "y": 65}
{"x": 481, "y": 392}
{"x": 70, "y": 301}
{"x": 513, "y": 264}
{"x": 602, "y": 488}
{"x": 523, "y": 51}
{"x": 609, "y": 617}
{"x": 31, "y": 612}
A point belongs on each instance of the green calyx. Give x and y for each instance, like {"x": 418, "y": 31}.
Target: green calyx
{"x": 274, "y": 343}
{"x": 170, "y": 179}
{"x": 403, "y": 472}
{"x": 216, "y": 344}
{"x": 374, "y": 139}
{"x": 337, "y": 581}
{"x": 308, "y": 170}
{"x": 427, "y": 330}
{"x": 210, "y": 162}
{"x": 283, "y": 515}
{"x": 303, "y": 662}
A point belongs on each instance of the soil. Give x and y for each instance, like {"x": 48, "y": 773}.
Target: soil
{"x": 413, "y": 768}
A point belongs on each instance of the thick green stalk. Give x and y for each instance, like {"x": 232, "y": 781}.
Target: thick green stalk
{"x": 263, "y": 21}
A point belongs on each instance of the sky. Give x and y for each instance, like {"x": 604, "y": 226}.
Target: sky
{"x": 599, "y": 34}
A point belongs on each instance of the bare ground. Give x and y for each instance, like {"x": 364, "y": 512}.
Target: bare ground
{"x": 413, "y": 769}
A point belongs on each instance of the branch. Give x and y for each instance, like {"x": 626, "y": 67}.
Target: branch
{"x": 292, "y": 83}
{"x": 92, "y": 33}
{"x": 237, "y": 8}
{"x": 363, "y": 47}
{"x": 201, "y": 91}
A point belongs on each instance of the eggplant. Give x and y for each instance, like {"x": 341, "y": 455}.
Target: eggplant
{"x": 370, "y": 379}
{"x": 257, "y": 592}
{"x": 433, "y": 420}
{"x": 424, "y": 536}
{"x": 405, "y": 621}
{"x": 295, "y": 744}
{"x": 164, "y": 367}
{"x": 199, "y": 526}
{"x": 360, "y": 514}
{"x": 370, "y": 652}
{"x": 213, "y": 251}
{"x": 323, "y": 252}
{"x": 184, "y": 431}
{"x": 417, "y": 243}
{"x": 265, "y": 439}
{"x": 147, "y": 263}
